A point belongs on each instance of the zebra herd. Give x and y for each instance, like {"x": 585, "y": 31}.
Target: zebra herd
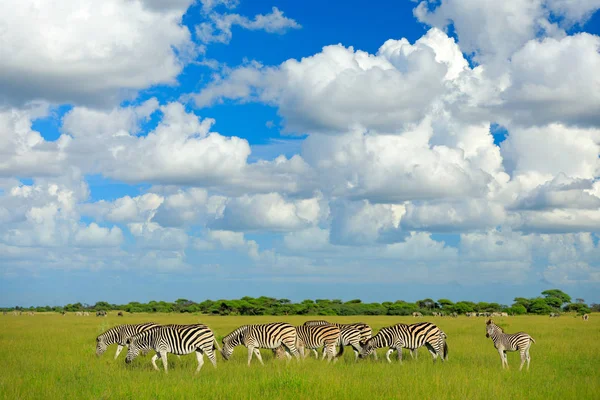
{"x": 284, "y": 339}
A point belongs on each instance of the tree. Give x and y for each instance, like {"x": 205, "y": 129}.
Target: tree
{"x": 565, "y": 298}
{"x": 580, "y": 301}
{"x": 539, "y": 306}
{"x": 445, "y": 303}
{"x": 426, "y": 303}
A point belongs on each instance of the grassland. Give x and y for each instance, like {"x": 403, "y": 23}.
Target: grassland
{"x": 52, "y": 357}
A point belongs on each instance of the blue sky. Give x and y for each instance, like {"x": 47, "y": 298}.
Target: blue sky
{"x": 223, "y": 148}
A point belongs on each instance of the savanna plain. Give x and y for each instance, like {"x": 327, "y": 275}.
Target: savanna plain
{"x": 49, "y": 356}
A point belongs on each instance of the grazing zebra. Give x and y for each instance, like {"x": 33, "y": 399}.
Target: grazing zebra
{"x": 265, "y": 336}
{"x": 316, "y": 336}
{"x": 348, "y": 336}
{"x": 408, "y": 336}
{"x": 120, "y": 334}
{"x": 4, "y": 313}
{"x": 120, "y": 314}
{"x": 86, "y": 314}
{"x": 585, "y": 317}
{"x": 504, "y": 342}
{"x": 504, "y": 314}
{"x": 79, "y": 313}
{"x": 454, "y": 315}
{"x": 554, "y": 315}
{"x": 176, "y": 339}
{"x": 101, "y": 313}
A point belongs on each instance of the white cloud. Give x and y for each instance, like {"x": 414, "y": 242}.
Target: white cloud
{"x": 96, "y": 236}
{"x": 218, "y": 28}
{"x": 269, "y": 212}
{"x": 23, "y": 151}
{"x": 340, "y": 88}
{"x": 64, "y": 53}
{"x": 153, "y": 236}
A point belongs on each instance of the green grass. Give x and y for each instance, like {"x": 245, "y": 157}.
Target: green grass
{"x": 53, "y": 357}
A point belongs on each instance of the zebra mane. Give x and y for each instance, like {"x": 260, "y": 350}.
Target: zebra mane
{"x": 236, "y": 333}
{"x": 490, "y": 322}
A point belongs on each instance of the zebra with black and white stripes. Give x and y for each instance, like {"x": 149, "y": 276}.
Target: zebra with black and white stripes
{"x": 348, "y": 335}
{"x": 408, "y": 336}
{"x": 317, "y": 336}
{"x": 119, "y": 334}
{"x": 176, "y": 339}
{"x": 504, "y": 342}
{"x": 265, "y": 336}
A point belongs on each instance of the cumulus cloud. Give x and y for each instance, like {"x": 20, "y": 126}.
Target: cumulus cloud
{"x": 70, "y": 56}
{"x": 269, "y": 212}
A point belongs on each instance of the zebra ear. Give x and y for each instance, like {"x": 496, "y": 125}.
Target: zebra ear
{"x": 489, "y": 321}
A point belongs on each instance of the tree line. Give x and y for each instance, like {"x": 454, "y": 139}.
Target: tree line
{"x": 553, "y": 300}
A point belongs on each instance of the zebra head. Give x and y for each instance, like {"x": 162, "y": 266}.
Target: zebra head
{"x": 232, "y": 340}
{"x": 491, "y": 328}
{"x": 367, "y": 347}
{"x": 101, "y": 345}
{"x": 133, "y": 350}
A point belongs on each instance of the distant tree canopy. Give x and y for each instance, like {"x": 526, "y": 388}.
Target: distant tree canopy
{"x": 552, "y": 300}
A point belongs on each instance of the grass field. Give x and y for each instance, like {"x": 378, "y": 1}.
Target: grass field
{"x": 53, "y": 357}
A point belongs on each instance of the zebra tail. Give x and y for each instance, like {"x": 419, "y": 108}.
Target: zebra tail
{"x": 217, "y": 344}
{"x": 445, "y": 350}
{"x": 531, "y": 339}
{"x": 340, "y": 351}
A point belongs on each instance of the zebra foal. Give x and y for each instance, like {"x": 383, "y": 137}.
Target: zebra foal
{"x": 265, "y": 336}
{"x": 119, "y": 334}
{"x": 504, "y": 342}
{"x": 176, "y": 339}
{"x": 408, "y": 336}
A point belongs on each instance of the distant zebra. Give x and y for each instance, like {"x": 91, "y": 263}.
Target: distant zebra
{"x": 86, "y": 314}
{"x": 585, "y": 317}
{"x": 119, "y": 334}
{"x": 120, "y": 314}
{"x": 504, "y": 314}
{"x": 317, "y": 336}
{"x": 408, "y": 336}
{"x": 348, "y": 336}
{"x": 504, "y": 342}
{"x": 417, "y": 314}
{"x": 176, "y": 339}
{"x": 79, "y": 313}
{"x": 554, "y": 315}
{"x": 454, "y": 315}
{"x": 101, "y": 313}
{"x": 4, "y": 313}
{"x": 265, "y": 336}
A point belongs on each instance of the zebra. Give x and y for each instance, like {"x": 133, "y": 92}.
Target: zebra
{"x": 316, "y": 336}
{"x": 79, "y": 313}
{"x": 454, "y": 315}
{"x": 176, "y": 339}
{"x": 119, "y": 334}
{"x": 4, "y": 312}
{"x": 348, "y": 336}
{"x": 417, "y": 314}
{"x": 408, "y": 336}
{"x": 504, "y": 342}
{"x": 120, "y": 314}
{"x": 554, "y": 315}
{"x": 100, "y": 313}
{"x": 585, "y": 317}
{"x": 86, "y": 314}
{"x": 266, "y": 336}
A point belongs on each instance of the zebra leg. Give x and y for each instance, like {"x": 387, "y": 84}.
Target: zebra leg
{"x": 316, "y": 353}
{"x": 291, "y": 346}
{"x": 528, "y": 358}
{"x": 211, "y": 356}
{"x": 523, "y": 358}
{"x": 257, "y": 353}
{"x": 154, "y": 358}
{"x": 387, "y": 355}
{"x": 399, "y": 350}
{"x": 374, "y": 354}
{"x": 119, "y": 349}
{"x": 200, "y": 358}
{"x": 163, "y": 356}
{"x": 250, "y": 353}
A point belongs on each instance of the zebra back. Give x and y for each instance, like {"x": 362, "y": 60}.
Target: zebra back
{"x": 177, "y": 339}
{"x": 313, "y": 336}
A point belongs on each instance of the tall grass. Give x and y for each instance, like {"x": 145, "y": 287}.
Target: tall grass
{"x": 51, "y": 356}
